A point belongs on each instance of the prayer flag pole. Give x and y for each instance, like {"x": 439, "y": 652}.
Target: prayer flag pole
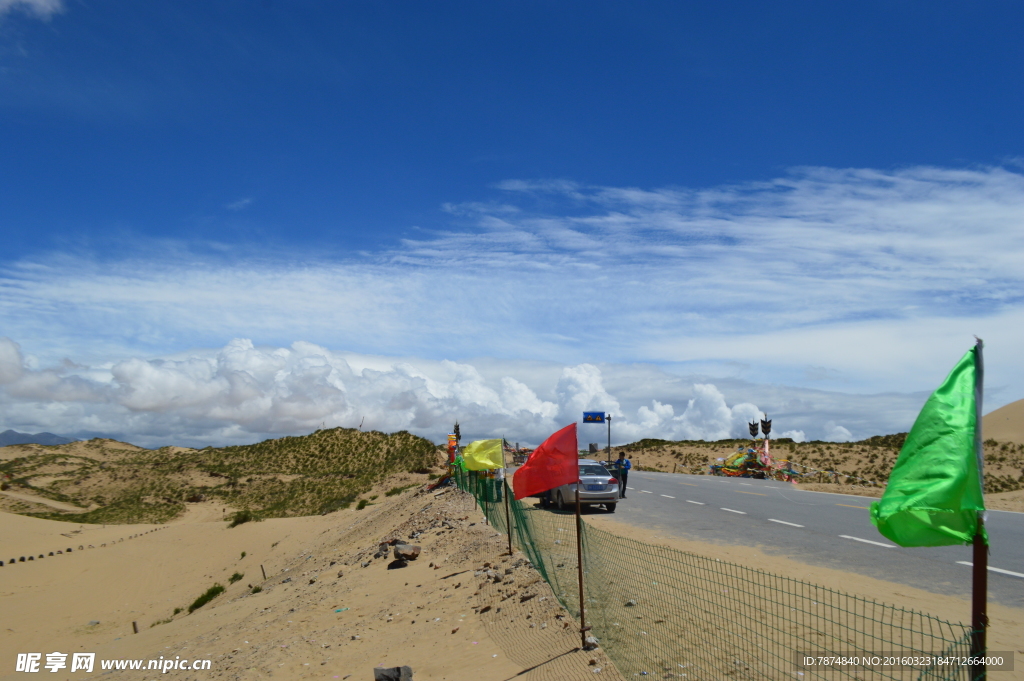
{"x": 504, "y": 491}
{"x": 979, "y": 585}
{"x": 579, "y": 559}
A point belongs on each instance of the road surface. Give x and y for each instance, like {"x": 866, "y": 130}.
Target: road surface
{"x": 830, "y": 530}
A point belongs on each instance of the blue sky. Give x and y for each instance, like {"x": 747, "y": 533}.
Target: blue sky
{"x": 224, "y": 221}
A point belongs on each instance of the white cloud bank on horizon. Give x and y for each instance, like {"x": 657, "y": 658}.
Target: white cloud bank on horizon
{"x": 241, "y": 393}
{"x": 818, "y": 290}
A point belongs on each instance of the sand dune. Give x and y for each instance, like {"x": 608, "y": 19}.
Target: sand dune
{"x": 316, "y": 598}
{"x": 1005, "y": 424}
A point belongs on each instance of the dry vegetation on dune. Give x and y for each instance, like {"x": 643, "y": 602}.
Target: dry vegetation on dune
{"x": 113, "y": 482}
{"x": 857, "y": 463}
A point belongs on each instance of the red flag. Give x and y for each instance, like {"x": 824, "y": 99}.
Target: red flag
{"x": 552, "y": 464}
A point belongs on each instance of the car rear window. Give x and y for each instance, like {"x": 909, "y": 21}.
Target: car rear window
{"x": 593, "y": 469}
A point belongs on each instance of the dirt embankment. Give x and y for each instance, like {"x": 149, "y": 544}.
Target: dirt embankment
{"x": 327, "y": 609}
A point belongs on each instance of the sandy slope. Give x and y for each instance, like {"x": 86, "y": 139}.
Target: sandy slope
{"x": 1005, "y": 424}
{"x": 424, "y": 617}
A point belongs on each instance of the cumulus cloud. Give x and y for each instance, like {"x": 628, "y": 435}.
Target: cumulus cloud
{"x": 243, "y": 393}
{"x": 43, "y": 9}
{"x": 824, "y": 294}
{"x": 836, "y": 433}
{"x": 856, "y": 279}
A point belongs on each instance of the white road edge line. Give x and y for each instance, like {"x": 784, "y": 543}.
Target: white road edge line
{"x": 734, "y": 511}
{"x": 701, "y": 503}
{"x": 667, "y": 496}
{"x": 868, "y": 541}
{"x": 783, "y": 522}
{"x": 993, "y": 569}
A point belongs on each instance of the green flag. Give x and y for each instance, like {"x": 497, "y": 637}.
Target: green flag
{"x": 934, "y": 493}
{"x": 483, "y": 455}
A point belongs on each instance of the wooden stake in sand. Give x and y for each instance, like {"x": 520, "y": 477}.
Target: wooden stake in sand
{"x": 505, "y": 492}
{"x": 135, "y": 626}
{"x": 579, "y": 564}
{"x": 264, "y": 573}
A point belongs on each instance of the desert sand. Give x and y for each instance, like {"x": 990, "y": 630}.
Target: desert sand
{"x": 320, "y": 613}
{"x": 1005, "y": 424}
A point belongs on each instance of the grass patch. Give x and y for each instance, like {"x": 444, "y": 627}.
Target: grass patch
{"x": 245, "y": 516}
{"x": 210, "y": 594}
{"x": 394, "y": 491}
{"x": 362, "y": 504}
{"x": 235, "y": 577}
{"x": 166, "y": 621}
{"x": 256, "y": 589}
{"x": 177, "y": 610}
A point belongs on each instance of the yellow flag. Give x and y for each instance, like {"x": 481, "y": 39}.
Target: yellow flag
{"x": 482, "y": 455}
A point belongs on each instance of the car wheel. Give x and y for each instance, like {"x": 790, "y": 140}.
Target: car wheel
{"x": 610, "y": 507}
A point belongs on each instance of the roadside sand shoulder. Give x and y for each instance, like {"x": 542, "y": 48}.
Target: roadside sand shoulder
{"x": 1007, "y": 623}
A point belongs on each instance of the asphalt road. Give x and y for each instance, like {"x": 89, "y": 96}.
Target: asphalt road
{"x": 830, "y": 530}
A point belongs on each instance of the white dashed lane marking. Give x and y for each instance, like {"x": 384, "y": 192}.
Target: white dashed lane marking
{"x": 783, "y": 522}
{"x": 868, "y": 541}
{"x": 667, "y": 496}
{"x": 701, "y": 503}
{"x": 734, "y": 511}
{"x": 646, "y": 492}
{"x": 993, "y": 569}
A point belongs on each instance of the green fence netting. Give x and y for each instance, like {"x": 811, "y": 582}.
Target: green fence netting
{"x": 671, "y": 614}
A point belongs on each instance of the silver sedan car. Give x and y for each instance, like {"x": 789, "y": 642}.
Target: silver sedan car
{"x": 598, "y": 487}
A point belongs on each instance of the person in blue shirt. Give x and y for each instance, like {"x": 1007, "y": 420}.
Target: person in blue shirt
{"x": 622, "y": 464}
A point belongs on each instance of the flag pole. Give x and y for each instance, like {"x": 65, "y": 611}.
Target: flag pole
{"x": 504, "y": 491}
{"x": 979, "y": 587}
{"x": 579, "y": 558}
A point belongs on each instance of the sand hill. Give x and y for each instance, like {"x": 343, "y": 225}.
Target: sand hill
{"x": 105, "y": 481}
{"x": 1006, "y": 424}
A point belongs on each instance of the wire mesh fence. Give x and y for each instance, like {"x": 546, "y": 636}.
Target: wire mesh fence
{"x": 671, "y": 614}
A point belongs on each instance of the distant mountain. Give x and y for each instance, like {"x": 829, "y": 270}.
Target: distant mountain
{"x": 13, "y": 437}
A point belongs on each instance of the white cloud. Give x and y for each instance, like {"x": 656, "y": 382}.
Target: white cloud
{"x": 43, "y": 9}
{"x": 796, "y": 435}
{"x": 239, "y": 204}
{"x": 867, "y": 282}
{"x": 243, "y": 393}
{"x": 837, "y": 433}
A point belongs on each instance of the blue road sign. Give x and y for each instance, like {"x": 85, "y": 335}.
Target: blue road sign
{"x": 593, "y": 417}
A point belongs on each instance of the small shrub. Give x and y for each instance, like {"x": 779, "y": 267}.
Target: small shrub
{"x": 210, "y": 594}
{"x": 235, "y": 577}
{"x": 240, "y": 517}
{"x": 257, "y": 589}
{"x": 177, "y": 610}
{"x": 362, "y": 504}
{"x": 243, "y": 555}
{"x": 398, "y": 490}
{"x": 374, "y": 497}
